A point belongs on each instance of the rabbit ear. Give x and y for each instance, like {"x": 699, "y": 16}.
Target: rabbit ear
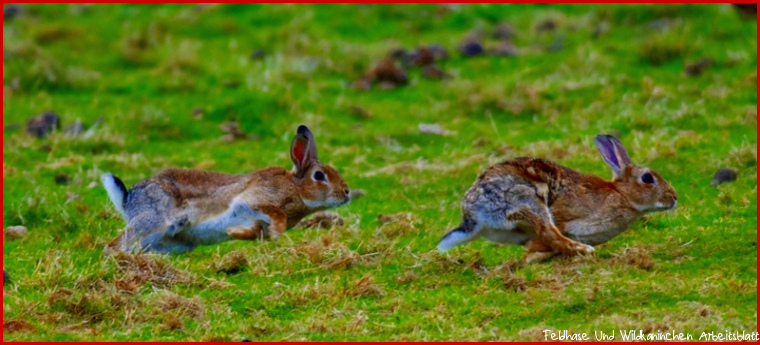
{"x": 303, "y": 130}
{"x": 607, "y": 148}
{"x": 303, "y": 150}
{"x": 622, "y": 154}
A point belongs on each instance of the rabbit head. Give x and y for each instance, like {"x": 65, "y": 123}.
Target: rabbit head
{"x": 644, "y": 188}
{"x": 320, "y": 186}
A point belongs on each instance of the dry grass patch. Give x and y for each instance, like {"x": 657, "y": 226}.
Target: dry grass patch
{"x": 139, "y": 269}
{"x": 17, "y": 325}
{"x": 365, "y": 286}
{"x": 168, "y": 301}
{"x": 399, "y": 224}
{"x": 636, "y": 257}
{"x": 515, "y": 283}
{"x": 322, "y": 220}
{"x": 232, "y": 263}
{"x": 327, "y": 253}
{"x": 407, "y": 277}
{"x": 89, "y": 306}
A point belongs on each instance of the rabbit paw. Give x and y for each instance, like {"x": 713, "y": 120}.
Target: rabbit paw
{"x": 274, "y": 235}
{"x": 582, "y": 249}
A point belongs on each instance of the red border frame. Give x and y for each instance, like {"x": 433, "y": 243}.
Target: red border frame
{"x": 520, "y": 1}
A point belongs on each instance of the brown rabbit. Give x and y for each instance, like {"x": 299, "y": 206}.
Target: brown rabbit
{"x": 554, "y": 209}
{"x": 178, "y": 210}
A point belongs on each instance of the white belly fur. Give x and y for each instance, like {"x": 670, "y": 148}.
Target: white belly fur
{"x": 510, "y": 233}
{"x": 214, "y": 230}
{"x": 589, "y": 234}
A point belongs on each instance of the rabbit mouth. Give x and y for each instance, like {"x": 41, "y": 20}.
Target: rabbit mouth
{"x": 663, "y": 207}
{"x": 343, "y": 202}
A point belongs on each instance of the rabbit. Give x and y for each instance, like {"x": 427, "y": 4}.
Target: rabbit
{"x": 178, "y": 210}
{"x": 553, "y": 209}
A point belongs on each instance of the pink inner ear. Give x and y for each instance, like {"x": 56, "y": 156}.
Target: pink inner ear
{"x": 298, "y": 151}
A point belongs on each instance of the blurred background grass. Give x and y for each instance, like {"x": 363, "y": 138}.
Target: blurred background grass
{"x": 153, "y": 83}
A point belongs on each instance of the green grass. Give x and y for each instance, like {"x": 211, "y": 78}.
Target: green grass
{"x": 145, "y": 68}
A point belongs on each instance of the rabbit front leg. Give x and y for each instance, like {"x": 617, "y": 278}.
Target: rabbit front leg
{"x": 246, "y": 232}
{"x": 548, "y": 233}
{"x": 278, "y": 223}
{"x": 254, "y": 216}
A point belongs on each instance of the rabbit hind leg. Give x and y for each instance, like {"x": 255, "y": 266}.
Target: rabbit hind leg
{"x": 160, "y": 243}
{"x": 538, "y": 251}
{"x": 548, "y": 233}
{"x": 118, "y": 244}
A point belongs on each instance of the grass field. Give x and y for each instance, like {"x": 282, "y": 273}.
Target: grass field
{"x": 159, "y": 80}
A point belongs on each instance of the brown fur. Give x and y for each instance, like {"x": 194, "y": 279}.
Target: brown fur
{"x": 553, "y": 209}
{"x": 573, "y": 195}
{"x": 200, "y": 197}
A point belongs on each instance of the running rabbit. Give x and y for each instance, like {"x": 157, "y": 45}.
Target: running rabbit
{"x": 178, "y": 210}
{"x": 554, "y": 209}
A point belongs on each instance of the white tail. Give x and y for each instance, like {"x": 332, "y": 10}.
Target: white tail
{"x": 454, "y": 238}
{"x": 116, "y": 191}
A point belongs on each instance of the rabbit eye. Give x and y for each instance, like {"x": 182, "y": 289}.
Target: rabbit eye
{"x": 319, "y": 176}
{"x": 647, "y": 178}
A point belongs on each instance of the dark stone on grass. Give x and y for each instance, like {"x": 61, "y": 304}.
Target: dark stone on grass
{"x": 258, "y": 54}
{"x": 747, "y": 11}
{"x": 723, "y": 175}
{"x": 6, "y": 278}
{"x": 423, "y": 56}
{"x": 503, "y": 32}
{"x": 546, "y": 25}
{"x": 471, "y": 48}
{"x": 387, "y": 74}
{"x": 697, "y": 68}
{"x": 404, "y": 57}
{"x": 439, "y": 52}
{"x": 62, "y": 178}
{"x": 503, "y": 49}
{"x": 431, "y": 71}
{"x": 246, "y": 341}
{"x": 359, "y": 112}
{"x": 42, "y": 125}
{"x": 11, "y": 11}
